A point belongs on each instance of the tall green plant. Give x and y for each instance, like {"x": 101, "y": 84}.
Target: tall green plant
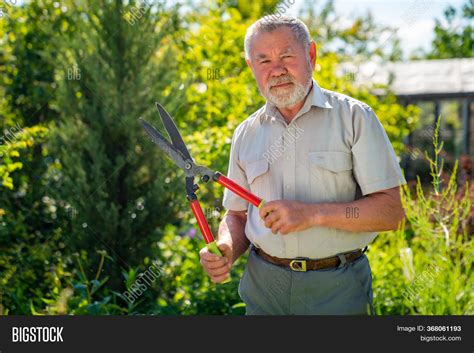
{"x": 426, "y": 266}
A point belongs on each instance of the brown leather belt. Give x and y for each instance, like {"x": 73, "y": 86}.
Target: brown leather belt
{"x": 303, "y": 265}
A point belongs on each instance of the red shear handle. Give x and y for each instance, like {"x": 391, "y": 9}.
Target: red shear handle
{"x": 237, "y": 189}
{"x": 206, "y": 231}
{"x": 201, "y": 219}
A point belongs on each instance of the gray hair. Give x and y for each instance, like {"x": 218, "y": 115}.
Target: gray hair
{"x": 270, "y": 23}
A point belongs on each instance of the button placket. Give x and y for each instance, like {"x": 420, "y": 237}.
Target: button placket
{"x": 289, "y": 173}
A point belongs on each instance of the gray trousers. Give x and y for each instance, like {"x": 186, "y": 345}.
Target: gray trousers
{"x": 268, "y": 289}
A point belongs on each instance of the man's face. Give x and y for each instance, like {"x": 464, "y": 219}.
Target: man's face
{"x": 282, "y": 67}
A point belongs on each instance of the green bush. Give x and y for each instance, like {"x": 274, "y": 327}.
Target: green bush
{"x": 181, "y": 288}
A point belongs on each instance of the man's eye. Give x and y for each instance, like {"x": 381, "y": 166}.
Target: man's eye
{"x": 264, "y": 61}
{"x": 286, "y": 56}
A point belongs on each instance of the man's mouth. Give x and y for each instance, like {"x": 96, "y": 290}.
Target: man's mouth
{"x": 281, "y": 85}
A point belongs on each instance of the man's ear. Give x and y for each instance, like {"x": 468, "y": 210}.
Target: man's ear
{"x": 313, "y": 53}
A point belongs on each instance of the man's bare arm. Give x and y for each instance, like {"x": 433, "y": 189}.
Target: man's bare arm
{"x": 374, "y": 213}
{"x": 232, "y": 233}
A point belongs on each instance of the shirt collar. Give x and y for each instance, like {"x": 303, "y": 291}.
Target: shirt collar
{"x": 315, "y": 98}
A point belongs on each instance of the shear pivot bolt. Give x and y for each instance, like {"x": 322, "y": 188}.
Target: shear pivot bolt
{"x": 188, "y": 166}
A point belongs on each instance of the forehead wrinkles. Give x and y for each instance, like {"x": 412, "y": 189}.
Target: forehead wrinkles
{"x": 282, "y": 37}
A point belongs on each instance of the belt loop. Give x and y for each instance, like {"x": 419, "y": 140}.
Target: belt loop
{"x": 342, "y": 259}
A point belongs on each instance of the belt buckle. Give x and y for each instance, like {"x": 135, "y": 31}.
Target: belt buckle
{"x": 298, "y": 265}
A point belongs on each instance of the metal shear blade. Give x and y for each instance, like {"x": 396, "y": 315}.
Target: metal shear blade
{"x": 173, "y": 153}
{"x": 173, "y": 131}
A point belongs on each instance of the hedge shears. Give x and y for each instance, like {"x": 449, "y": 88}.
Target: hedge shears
{"x": 179, "y": 154}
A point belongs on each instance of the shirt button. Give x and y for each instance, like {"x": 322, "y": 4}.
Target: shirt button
{"x": 288, "y": 158}
{"x": 287, "y": 186}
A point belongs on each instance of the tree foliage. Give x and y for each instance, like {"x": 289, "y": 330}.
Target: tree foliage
{"x": 454, "y": 37}
{"x": 111, "y": 178}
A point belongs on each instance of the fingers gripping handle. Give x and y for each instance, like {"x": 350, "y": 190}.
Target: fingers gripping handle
{"x": 205, "y": 230}
{"x": 238, "y": 190}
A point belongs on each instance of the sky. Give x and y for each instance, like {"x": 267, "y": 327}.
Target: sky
{"x": 414, "y": 18}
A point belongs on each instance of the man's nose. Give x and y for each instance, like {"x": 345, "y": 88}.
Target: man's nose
{"x": 278, "y": 70}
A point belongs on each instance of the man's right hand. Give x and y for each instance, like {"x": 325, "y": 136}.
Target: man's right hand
{"x": 217, "y": 267}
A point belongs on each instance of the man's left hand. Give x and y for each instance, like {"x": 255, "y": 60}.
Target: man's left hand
{"x": 286, "y": 216}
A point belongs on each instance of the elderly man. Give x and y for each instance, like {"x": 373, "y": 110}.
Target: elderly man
{"x": 330, "y": 178}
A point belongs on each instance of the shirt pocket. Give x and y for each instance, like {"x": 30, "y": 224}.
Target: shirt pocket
{"x": 331, "y": 178}
{"x": 257, "y": 175}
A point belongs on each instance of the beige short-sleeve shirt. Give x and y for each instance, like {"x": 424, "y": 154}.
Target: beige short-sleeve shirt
{"x": 334, "y": 150}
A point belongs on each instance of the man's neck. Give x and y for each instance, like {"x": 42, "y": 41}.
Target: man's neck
{"x": 289, "y": 113}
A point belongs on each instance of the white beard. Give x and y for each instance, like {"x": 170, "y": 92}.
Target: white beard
{"x": 287, "y": 96}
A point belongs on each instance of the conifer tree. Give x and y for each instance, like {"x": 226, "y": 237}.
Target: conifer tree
{"x": 115, "y": 188}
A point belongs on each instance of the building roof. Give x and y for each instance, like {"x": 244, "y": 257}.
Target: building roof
{"x": 421, "y": 78}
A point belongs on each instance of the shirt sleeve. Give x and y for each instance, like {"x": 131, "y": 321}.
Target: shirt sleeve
{"x": 232, "y": 201}
{"x": 375, "y": 165}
